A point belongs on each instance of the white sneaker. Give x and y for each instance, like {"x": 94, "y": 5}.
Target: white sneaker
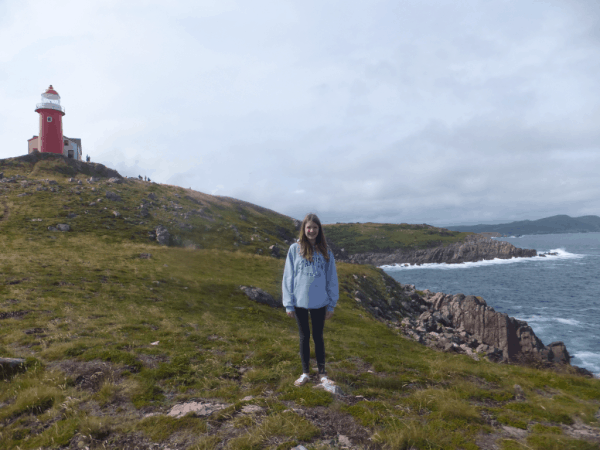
{"x": 304, "y": 378}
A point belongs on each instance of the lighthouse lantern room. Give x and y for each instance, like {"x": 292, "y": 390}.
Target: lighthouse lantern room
{"x": 51, "y": 138}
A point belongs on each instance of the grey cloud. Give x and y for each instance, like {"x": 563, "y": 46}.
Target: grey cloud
{"x": 412, "y": 111}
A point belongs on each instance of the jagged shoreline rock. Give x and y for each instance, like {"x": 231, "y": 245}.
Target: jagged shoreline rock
{"x": 485, "y": 330}
{"x": 458, "y": 323}
{"x": 473, "y": 248}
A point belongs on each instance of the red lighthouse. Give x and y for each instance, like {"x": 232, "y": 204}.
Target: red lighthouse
{"x": 51, "y": 131}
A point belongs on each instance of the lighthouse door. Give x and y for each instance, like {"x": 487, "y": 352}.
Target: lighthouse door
{"x": 71, "y": 154}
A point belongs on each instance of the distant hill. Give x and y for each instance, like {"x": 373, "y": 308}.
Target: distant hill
{"x": 548, "y": 225}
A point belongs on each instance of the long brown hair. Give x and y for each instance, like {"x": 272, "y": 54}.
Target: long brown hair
{"x": 306, "y": 250}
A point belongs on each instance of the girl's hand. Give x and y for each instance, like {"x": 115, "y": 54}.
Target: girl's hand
{"x": 328, "y": 315}
{"x": 291, "y": 314}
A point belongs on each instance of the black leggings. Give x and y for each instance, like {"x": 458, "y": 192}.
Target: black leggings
{"x": 317, "y": 317}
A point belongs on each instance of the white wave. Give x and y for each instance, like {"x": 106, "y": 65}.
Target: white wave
{"x": 589, "y": 360}
{"x": 575, "y": 323}
{"x": 558, "y": 254}
{"x": 538, "y": 323}
{"x": 544, "y": 319}
{"x": 561, "y": 253}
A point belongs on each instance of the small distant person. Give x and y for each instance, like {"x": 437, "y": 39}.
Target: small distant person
{"x": 87, "y": 158}
{"x": 310, "y": 287}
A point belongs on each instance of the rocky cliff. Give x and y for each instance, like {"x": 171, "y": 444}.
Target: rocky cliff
{"x": 483, "y": 329}
{"x": 456, "y": 323}
{"x": 473, "y": 248}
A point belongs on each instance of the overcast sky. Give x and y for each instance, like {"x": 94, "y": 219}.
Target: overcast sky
{"x": 419, "y": 111}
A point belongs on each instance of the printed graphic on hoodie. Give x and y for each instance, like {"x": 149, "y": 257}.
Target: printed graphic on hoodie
{"x": 316, "y": 268}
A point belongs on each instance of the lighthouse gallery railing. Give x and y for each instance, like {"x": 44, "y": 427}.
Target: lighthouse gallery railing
{"x": 49, "y": 106}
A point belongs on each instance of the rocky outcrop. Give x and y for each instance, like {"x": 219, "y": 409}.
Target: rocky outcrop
{"x": 9, "y": 366}
{"x": 113, "y": 197}
{"x": 67, "y": 166}
{"x": 514, "y": 338}
{"x": 60, "y": 227}
{"x": 258, "y": 295}
{"x": 162, "y": 235}
{"x": 456, "y": 323}
{"x": 473, "y": 248}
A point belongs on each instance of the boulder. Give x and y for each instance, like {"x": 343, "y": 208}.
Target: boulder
{"x": 586, "y": 373}
{"x": 93, "y": 180}
{"x": 519, "y": 393}
{"x": 162, "y": 235}
{"x": 8, "y": 366}
{"x": 63, "y": 227}
{"x": 113, "y": 197}
{"x": 115, "y": 180}
{"x": 152, "y": 196}
{"x": 52, "y": 229}
{"x": 559, "y": 352}
{"x": 116, "y": 214}
{"x": 199, "y": 409}
{"x": 260, "y": 296}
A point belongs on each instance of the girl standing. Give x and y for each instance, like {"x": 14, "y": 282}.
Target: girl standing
{"x": 310, "y": 287}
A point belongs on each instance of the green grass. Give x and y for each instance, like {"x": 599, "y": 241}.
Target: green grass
{"x": 373, "y": 237}
{"x": 90, "y": 301}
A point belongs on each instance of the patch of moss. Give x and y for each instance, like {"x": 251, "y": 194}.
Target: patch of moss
{"x": 554, "y": 442}
{"x": 307, "y": 396}
{"x": 147, "y": 394}
{"x": 159, "y": 428}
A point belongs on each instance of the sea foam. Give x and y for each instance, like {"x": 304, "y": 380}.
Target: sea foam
{"x": 559, "y": 254}
{"x": 590, "y": 360}
{"x": 535, "y": 319}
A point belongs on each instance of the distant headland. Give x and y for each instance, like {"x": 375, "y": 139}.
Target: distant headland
{"x": 549, "y": 225}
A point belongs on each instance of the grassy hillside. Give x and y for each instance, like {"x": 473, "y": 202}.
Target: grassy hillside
{"x": 374, "y": 237}
{"x": 114, "y": 339}
{"x": 194, "y": 219}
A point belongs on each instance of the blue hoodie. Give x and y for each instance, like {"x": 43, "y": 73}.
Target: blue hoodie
{"x": 309, "y": 285}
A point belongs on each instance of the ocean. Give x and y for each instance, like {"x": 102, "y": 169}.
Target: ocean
{"x": 557, "y": 295}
